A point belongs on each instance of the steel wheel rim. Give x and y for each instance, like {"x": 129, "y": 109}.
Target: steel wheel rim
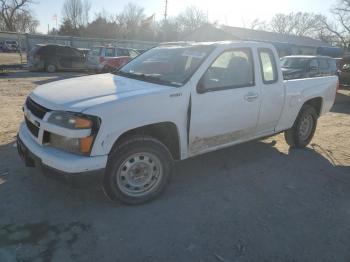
{"x": 139, "y": 174}
{"x": 306, "y": 125}
{"x": 51, "y": 68}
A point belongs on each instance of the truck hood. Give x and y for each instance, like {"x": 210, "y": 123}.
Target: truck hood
{"x": 80, "y": 93}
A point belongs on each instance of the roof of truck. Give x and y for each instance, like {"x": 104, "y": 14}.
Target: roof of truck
{"x": 307, "y": 56}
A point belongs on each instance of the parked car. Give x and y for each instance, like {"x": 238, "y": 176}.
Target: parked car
{"x": 9, "y": 46}
{"x": 344, "y": 70}
{"x": 170, "y": 103}
{"x": 294, "y": 67}
{"x": 52, "y": 58}
{"x": 106, "y": 59}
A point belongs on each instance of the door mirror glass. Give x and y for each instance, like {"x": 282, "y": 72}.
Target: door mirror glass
{"x": 201, "y": 89}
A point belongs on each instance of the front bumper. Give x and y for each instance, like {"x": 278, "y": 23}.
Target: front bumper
{"x": 34, "y": 154}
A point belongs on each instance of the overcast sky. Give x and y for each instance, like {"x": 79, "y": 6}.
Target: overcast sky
{"x": 230, "y": 12}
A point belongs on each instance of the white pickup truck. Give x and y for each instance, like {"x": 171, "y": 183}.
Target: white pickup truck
{"x": 173, "y": 102}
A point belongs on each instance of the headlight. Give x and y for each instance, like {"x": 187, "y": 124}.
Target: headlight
{"x": 75, "y": 121}
{"x": 73, "y": 145}
{"x": 71, "y": 120}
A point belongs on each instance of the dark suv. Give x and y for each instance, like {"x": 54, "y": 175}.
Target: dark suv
{"x": 56, "y": 57}
{"x": 294, "y": 67}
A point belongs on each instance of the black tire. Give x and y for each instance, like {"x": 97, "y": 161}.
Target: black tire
{"x": 293, "y": 136}
{"x": 51, "y": 68}
{"x": 118, "y": 160}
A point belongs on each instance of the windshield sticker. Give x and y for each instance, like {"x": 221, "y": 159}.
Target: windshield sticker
{"x": 194, "y": 54}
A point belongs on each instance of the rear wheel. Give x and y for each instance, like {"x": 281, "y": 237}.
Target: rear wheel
{"x": 51, "y": 68}
{"x": 303, "y": 129}
{"x": 138, "y": 170}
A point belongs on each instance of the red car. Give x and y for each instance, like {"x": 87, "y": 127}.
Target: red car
{"x": 110, "y": 58}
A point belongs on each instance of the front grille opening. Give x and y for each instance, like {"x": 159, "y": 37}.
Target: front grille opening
{"x": 46, "y": 138}
{"x": 36, "y": 109}
{"x": 32, "y": 128}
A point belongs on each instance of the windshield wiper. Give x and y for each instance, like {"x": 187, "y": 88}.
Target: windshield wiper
{"x": 148, "y": 77}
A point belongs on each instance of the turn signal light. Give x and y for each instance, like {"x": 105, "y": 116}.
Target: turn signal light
{"x": 85, "y": 144}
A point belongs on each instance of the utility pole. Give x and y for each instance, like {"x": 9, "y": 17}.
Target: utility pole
{"x": 166, "y": 10}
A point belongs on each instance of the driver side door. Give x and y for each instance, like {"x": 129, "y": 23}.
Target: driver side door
{"x": 225, "y": 106}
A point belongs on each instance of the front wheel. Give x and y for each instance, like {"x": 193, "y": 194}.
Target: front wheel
{"x": 137, "y": 170}
{"x": 303, "y": 129}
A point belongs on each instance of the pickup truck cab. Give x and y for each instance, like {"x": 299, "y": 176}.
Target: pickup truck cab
{"x": 172, "y": 102}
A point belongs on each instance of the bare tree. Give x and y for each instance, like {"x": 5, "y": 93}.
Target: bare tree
{"x": 76, "y": 12}
{"x": 191, "y": 19}
{"x": 25, "y": 22}
{"x": 301, "y": 24}
{"x": 15, "y": 15}
{"x": 129, "y": 20}
{"x": 86, "y": 11}
{"x": 257, "y": 24}
{"x": 338, "y": 28}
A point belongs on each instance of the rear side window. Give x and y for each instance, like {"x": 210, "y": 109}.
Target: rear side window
{"x": 109, "y": 52}
{"x": 64, "y": 51}
{"x": 47, "y": 50}
{"x": 122, "y": 52}
{"x": 323, "y": 64}
{"x": 333, "y": 65}
{"x": 313, "y": 64}
{"x": 95, "y": 51}
{"x": 76, "y": 52}
{"x": 268, "y": 66}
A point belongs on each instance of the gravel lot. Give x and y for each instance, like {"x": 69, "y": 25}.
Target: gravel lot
{"x": 258, "y": 202}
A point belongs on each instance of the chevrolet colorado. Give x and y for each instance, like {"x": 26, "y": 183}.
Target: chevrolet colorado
{"x": 172, "y": 102}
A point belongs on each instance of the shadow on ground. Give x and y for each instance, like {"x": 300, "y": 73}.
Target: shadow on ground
{"x": 251, "y": 202}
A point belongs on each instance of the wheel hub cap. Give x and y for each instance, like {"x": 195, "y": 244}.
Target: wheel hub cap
{"x": 306, "y": 126}
{"x": 139, "y": 174}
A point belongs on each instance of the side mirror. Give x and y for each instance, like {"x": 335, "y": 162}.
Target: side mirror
{"x": 201, "y": 87}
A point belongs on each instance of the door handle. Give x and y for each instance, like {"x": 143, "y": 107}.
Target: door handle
{"x": 251, "y": 96}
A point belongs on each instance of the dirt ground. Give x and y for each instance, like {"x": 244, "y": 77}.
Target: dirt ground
{"x": 259, "y": 201}
{"x": 12, "y": 58}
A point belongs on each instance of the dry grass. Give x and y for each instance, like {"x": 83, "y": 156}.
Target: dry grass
{"x": 12, "y": 58}
{"x": 14, "y": 88}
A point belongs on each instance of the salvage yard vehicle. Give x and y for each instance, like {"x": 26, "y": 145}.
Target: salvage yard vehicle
{"x": 172, "y": 102}
{"x": 344, "y": 70}
{"x": 110, "y": 58}
{"x": 301, "y": 66}
{"x": 51, "y": 58}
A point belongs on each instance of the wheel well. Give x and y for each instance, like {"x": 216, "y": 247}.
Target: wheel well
{"x": 165, "y": 132}
{"x": 315, "y": 103}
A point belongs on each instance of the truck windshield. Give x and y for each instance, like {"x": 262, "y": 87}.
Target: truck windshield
{"x": 169, "y": 65}
{"x": 295, "y": 62}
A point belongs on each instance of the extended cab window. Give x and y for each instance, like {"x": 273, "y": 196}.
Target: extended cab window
{"x": 231, "y": 69}
{"x": 268, "y": 66}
